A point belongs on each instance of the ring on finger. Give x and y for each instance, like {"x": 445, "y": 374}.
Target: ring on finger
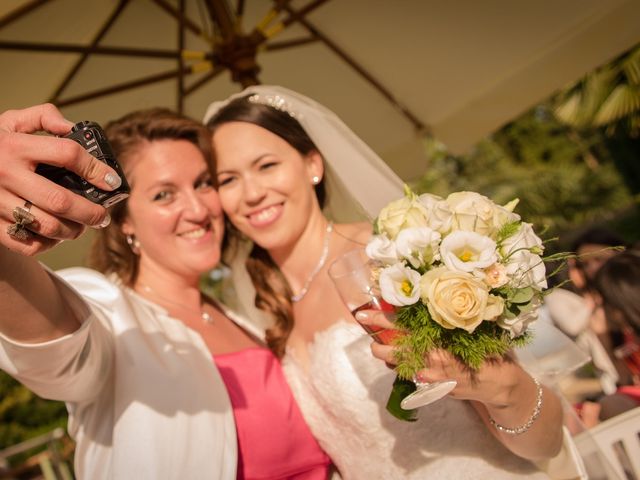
{"x": 23, "y": 218}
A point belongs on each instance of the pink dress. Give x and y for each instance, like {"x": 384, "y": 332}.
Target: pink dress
{"x": 274, "y": 442}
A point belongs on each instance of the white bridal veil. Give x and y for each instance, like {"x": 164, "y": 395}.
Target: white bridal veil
{"x": 357, "y": 181}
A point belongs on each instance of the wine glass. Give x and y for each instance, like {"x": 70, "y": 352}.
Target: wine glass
{"x": 353, "y": 277}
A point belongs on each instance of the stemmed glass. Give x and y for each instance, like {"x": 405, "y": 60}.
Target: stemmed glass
{"x": 353, "y": 277}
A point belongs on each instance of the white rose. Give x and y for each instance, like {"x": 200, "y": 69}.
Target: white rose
{"x": 403, "y": 213}
{"x": 518, "y": 325}
{"x": 457, "y": 299}
{"x": 472, "y": 212}
{"x": 439, "y": 214}
{"x": 382, "y": 249}
{"x": 400, "y": 285}
{"x": 419, "y": 245}
{"x": 524, "y": 239}
{"x": 526, "y": 269}
{"x": 467, "y": 251}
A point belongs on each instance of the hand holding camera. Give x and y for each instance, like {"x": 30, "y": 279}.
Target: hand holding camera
{"x": 35, "y": 212}
{"x": 91, "y": 137}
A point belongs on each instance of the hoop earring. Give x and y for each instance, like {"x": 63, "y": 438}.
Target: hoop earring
{"x": 133, "y": 243}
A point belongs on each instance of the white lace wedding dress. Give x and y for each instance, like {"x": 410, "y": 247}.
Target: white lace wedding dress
{"x": 343, "y": 396}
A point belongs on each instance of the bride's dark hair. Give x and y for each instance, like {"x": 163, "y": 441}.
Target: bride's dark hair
{"x": 273, "y": 293}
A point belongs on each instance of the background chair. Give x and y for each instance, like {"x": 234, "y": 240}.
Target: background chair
{"x": 616, "y": 443}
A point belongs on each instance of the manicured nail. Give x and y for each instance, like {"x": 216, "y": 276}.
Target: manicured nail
{"x": 114, "y": 181}
{"x": 105, "y": 221}
{"x": 362, "y": 317}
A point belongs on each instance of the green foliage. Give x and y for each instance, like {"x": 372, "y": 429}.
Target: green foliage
{"x": 506, "y": 231}
{"x": 609, "y": 96}
{"x": 401, "y": 389}
{"x": 473, "y": 349}
{"x": 552, "y": 170}
{"x": 24, "y": 415}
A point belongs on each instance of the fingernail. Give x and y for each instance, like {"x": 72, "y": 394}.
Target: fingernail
{"x": 362, "y": 316}
{"x": 421, "y": 376}
{"x": 105, "y": 221}
{"x": 114, "y": 181}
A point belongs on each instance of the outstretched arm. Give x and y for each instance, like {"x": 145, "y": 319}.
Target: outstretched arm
{"x": 31, "y": 308}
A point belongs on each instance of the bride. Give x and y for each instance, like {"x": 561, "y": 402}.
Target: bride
{"x": 294, "y": 180}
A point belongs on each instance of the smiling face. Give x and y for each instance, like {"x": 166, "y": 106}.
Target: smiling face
{"x": 173, "y": 210}
{"x": 266, "y": 186}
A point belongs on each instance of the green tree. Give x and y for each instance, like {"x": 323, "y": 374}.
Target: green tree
{"x": 608, "y": 100}
{"x": 554, "y": 173}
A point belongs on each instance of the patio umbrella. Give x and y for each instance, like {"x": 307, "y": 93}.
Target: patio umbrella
{"x": 395, "y": 71}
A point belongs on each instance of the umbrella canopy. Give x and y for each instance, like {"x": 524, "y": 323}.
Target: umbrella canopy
{"x": 394, "y": 71}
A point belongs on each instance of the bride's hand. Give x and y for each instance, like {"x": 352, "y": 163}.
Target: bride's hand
{"x": 58, "y": 213}
{"x": 492, "y": 384}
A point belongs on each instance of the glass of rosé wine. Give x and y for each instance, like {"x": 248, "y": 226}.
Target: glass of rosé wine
{"x": 354, "y": 277}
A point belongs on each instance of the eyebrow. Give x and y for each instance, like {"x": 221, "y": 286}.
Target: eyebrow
{"x": 169, "y": 183}
{"x": 253, "y": 162}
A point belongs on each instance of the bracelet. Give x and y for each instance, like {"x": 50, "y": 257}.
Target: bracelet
{"x": 527, "y": 425}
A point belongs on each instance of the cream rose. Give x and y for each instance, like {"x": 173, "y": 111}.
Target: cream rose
{"x": 438, "y": 212}
{"x": 476, "y": 213}
{"x": 403, "y": 213}
{"x": 457, "y": 299}
{"x": 472, "y": 212}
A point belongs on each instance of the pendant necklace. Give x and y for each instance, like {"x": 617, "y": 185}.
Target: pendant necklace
{"x": 205, "y": 316}
{"x": 323, "y": 259}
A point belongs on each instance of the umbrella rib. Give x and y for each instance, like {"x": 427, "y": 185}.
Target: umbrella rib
{"x": 279, "y": 6}
{"x": 181, "y": 29}
{"x": 159, "y": 77}
{"x": 297, "y": 15}
{"x": 20, "y": 12}
{"x": 240, "y": 8}
{"x": 289, "y": 43}
{"x": 99, "y": 36}
{"x": 72, "y": 48}
{"x": 417, "y": 123}
{"x": 222, "y": 16}
{"x": 200, "y": 82}
{"x": 189, "y": 24}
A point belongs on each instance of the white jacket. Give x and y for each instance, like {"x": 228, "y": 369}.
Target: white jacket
{"x": 143, "y": 393}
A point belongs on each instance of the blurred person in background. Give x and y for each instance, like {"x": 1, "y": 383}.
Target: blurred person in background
{"x": 578, "y": 314}
{"x": 617, "y": 288}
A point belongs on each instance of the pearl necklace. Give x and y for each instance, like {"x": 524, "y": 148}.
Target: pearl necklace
{"x": 323, "y": 258}
{"x": 205, "y": 316}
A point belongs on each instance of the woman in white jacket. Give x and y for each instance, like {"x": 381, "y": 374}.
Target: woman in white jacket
{"x": 130, "y": 349}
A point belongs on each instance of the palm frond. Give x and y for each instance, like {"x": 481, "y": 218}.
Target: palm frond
{"x": 568, "y": 111}
{"x": 623, "y": 101}
{"x": 631, "y": 67}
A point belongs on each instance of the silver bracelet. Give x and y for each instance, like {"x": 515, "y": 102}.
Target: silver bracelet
{"x": 527, "y": 425}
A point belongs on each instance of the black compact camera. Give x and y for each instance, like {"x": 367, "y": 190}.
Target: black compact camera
{"x": 92, "y": 138}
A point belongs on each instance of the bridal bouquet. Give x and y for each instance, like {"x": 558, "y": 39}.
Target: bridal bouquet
{"x": 464, "y": 274}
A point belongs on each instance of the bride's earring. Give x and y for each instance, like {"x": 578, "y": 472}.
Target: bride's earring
{"x": 315, "y": 180}
{"x": 133, "y": 243}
